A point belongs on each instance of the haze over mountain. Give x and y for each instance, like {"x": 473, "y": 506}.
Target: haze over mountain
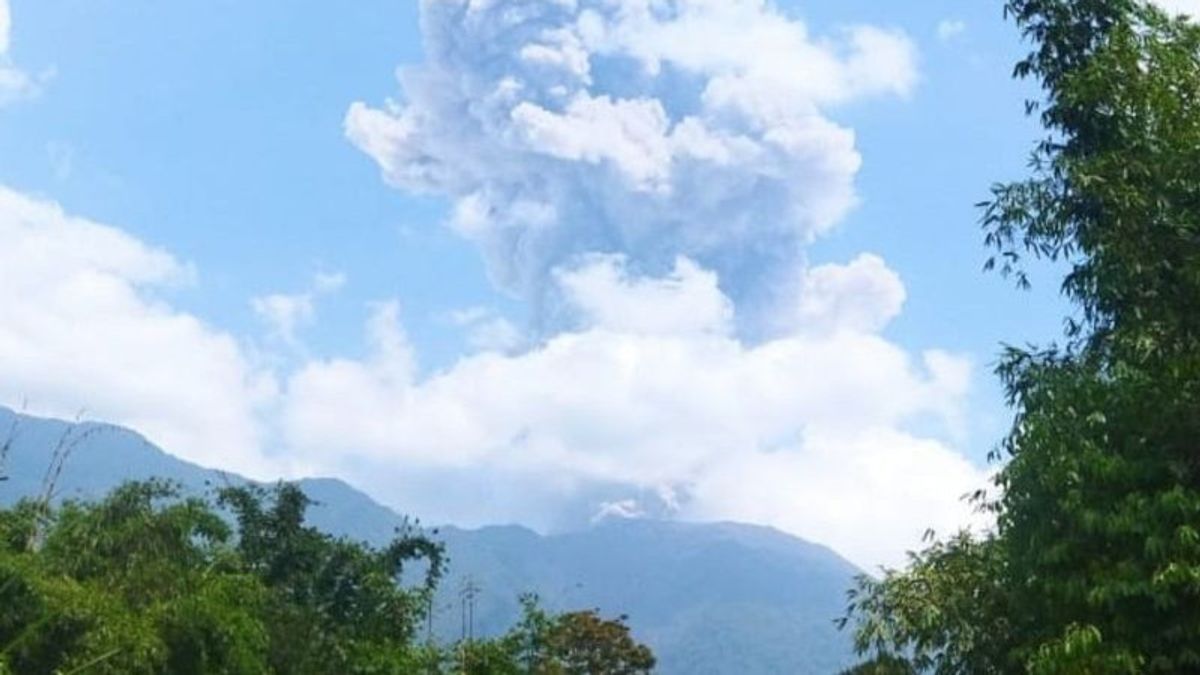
{"x": 709, "y": 598}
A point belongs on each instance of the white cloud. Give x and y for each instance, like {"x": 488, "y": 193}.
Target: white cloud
{"x": 869, "y": 494}
{"x": 286, "y": 313}
{"x": 649, "y": 130}
{"x": 1188, "y": 7}
{"x": 949, "y": 29}
{"x": 863, "y": 295}
{"x": 14, "y": 82}
{"x": 805, "y": 432}
{"x": 649, "y": 405}
{"x": 83, "y": 326}
{"x": 645, "y": 165}
{"x": 649, "y": 174}
{"x": 605, "y": 297}
{"x": 5, "y": 26}
{"x": 487, "y": 330}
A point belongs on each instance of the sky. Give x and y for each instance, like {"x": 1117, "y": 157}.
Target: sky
{"x": 531, "y": 261}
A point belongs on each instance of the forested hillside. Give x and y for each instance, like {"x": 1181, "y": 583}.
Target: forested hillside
{"x": 708, "y": 598}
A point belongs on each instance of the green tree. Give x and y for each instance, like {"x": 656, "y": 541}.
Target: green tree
{"x": 1094, "y": 565}
{"x": 147, "y": 581}
{"x": 140, "y": 582}
{"x": 574, "y": 643}
{"x": 334, "y": 605}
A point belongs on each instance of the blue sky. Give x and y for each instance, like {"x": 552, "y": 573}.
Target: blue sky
{"x": 215, "y": 129}
{"x": 218, "y": 133}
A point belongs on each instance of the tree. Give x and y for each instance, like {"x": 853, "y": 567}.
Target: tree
{"x": 943, "y": 614}
{"x": 334, "y": 605}
{"x": 137, "y": 583}
{"x": 146, "y": 581}
{"x": 575, "y": 643}
{"x": 149, "y": 581}
{"x": 1094, "y": 564}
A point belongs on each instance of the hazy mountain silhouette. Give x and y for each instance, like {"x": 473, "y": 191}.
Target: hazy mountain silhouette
{"x": 709, "y": 598}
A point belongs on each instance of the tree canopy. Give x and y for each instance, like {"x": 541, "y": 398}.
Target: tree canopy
{"x": 1094, "y": 563}
{"x": 149, "y": 581}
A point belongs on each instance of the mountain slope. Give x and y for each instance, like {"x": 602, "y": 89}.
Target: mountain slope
{"x": 709, "y": 598}
{"x": 712, "y": 598}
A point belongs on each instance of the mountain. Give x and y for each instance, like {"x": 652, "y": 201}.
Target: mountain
{"x": 709, "y": 598}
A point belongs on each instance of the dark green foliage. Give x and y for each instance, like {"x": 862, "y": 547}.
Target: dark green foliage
{"x": 945, "y": 610}
{"x": 147, "y": 581}
{"x": 335, "y": 605}
{"x": 139, "y": 583}
{"x": 1094, "y": 566}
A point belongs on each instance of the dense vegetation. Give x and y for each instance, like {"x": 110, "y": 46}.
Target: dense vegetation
{"x": 1094, "y": 563}
{"x": 146, "y": 581}
{"x": 711, "y": 597}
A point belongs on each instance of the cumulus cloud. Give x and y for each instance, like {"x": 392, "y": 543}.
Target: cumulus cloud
{"x": 649, "y": 405}
{"x": 863, "y": 295}
{"x": 286, "y": 313}
{"x": 14, "y": 82}
{"x": 83, "y": 326}
{"x": 648, "y": 130}
{"x": 644, "y": 172}
{"x": 604, "y": 296}
{"x": 806, "y": 432}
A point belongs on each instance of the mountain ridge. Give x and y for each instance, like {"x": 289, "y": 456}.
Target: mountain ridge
{"x": 720, "y": 597}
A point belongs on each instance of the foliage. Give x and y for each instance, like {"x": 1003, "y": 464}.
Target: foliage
{"x": 946, "y": 608}
{"x": 575, "y": 643}
{"x": 139, "y": 583}
{"x": 1094, "y": 564}
{"x": 147, "y": 581}
{"x": 336, "y": 605}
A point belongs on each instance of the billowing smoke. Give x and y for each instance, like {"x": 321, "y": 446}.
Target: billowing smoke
{"x": 650, "y": 406}
{"x": 645, "y": 128}
{"x": 649, "y": 174}
{"x": 651, "y": 166}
